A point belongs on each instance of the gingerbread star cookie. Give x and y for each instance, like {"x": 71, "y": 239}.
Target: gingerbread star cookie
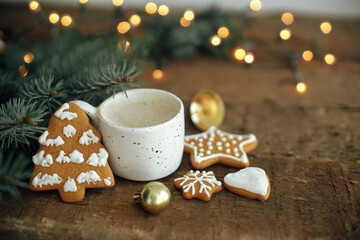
{"x": 251, "y": 182}
{"x": 200, "y": 185}
{"x": 215, "y": 146}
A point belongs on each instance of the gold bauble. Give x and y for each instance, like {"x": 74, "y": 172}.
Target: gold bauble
{"x": 154, "y": 197}
{"x": 207, "y": 109}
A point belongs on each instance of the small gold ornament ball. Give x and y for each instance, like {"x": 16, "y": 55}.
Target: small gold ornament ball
{"x": 154, "y": 197}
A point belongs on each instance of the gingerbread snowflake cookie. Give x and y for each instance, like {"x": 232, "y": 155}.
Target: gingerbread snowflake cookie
{"x": 71, "y": 157}
{"x": 200, "y": 185}
{"x": 251, "y": 182}
{"x": 215, "y": 146}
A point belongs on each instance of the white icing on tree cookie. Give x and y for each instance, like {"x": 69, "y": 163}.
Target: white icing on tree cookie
{"x": 107, "y": 181}
{"x": 69, "y": 131}
{"x": 62, "y": 158}
{"x": 88, "y": 137}
{"x": 50, "y": 142}
{"x": 39, "y": 159}
{"x": 204, "y": 177}
{"x": 89, "y": 177}
{"x": 46, "y": 180}
{"x": 98, "y": 159}
{"x": 251, "y": 179}
{"x": 70, "y": 185}
{"x": 76, "y": 157}
{"x": 62, "y": 114}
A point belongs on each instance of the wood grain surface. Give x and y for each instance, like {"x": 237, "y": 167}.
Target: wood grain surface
{"x": 309, "y": 145}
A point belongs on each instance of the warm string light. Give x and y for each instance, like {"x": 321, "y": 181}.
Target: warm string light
{"x": 184, "y": 22}
{"x": 54, "y": 17}
{"x": 215, "y": 40}
{"x": 301, "y": 87}
{"x": 135, "y": 20}
{"x": 239, "y": 54}
{"x": 255, "y": 5}
{"x": 223, "y": 32}
{"x": 117, "y": 3}
{"x": 34, "y": 6}
{"x": 285, "y": 34}
{"x": 287, "y": 18}
{"x": 189, "y": 15}
{"x": 66, "y": 20}
{"x": 123, "y": 27}
{"x": 249, "y": 58}
{"x": 330, "y": 59}
{"x": 23, "y": 71}
{"x": 28, "y": 57}
{"x": 83, "y": 1}
{"x": 158, "y": 74}
{"x": 163, "y": 10}
{"x": 307, "y": 55}
{"x": 150, "y": 8}
{"x": 325, "y": 27}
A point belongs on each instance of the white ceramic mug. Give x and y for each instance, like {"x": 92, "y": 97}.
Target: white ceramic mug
{"x": 143, "y": 132}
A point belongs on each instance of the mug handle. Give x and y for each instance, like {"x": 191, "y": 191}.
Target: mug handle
{"x": 89, "y": 109}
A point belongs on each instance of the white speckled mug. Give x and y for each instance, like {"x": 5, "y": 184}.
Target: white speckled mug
{"x": 144, "y": 132}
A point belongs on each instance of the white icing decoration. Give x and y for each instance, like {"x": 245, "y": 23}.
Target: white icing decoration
{"x": 242, "y": 157}
{"x": 50, "y": 142}
{"x": 98, "y": 159}
{"x": 252, "y": 179}
{"x": 192, "y": 143}
{"x": 205, "y": 177}
{"x": 201, "y": 149}
{"x": 76, "y": 157}
{"x": 62, "y": 158}
{"x": 62, "y": 114}
{"x": 227, "y": 144}
{"x": 209, "y": 143}
{"x": 88, "y": 137}
{"x": 39, "y": 159}
{"x": 201, "y": 140}
{"x": 201, "y": 145}
{"x": 46, "y": 180}
{"x": 223, "y": 139}
{"x": 201, "y": 154}
{"x": 208, "y": 152}
{"x": 89, "y": 177}
{"x": 186, "y": 139}
{"x": 69, "y": 131}
{"x": 107, "y": 181}
{"x": 228, "y": 150}
{"x": 70, "y": 185}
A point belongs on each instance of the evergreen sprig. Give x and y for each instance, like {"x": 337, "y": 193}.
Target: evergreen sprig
{"x": 20, "y": 122}
{"x": 14, "y": 172}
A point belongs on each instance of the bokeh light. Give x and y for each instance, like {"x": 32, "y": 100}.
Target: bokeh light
{"x": 239, "y": 54}
{"x": 223, "y": 32}
{"x": 28, "y": 57}
{"x": 285, "y": 34}
{"x": 117, "y": 3}
{"x": 184, "y": 22}
{"x": 189, "y": 15}
{"x": 287, "y": 18}
{"x": 330, "y": 59}
{"x": 307, "y": 55}
{"x": 66, "y": 20}
{"x": 301, "y": 87}
{"x": 249, "y": 58}
{"x": 150, "y": 8}
{"x": 34, "y": 6}
{"x": 163, "y": 10}
{"x": 255, "y": 5}
{"x": 215, "y": 40}
{"x": 135, "y": 20}
{"x": 123, "y": 27}
{"x": 325, "y": 27}
{"x": 157, "y": 74}
{"x": 83, "y": 1}
{"x": 23, "y": 71}
{"x": 54, "y": 17}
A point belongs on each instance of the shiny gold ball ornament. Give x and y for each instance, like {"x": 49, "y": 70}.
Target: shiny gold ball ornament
{"x": 154, "y": 197}
{"x": 207, "y": 109}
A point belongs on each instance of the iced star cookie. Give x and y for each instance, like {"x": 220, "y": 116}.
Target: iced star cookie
{"x": 251, "y": 182}
{"x": 71, "y": 157}
{"x": 215, "y": 146}
{"x": 200, "y": 185}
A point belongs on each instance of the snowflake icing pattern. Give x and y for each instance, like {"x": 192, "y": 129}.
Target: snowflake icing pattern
{"x": 190, "y": 180}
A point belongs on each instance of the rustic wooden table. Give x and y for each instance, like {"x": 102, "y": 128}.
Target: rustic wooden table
{"x": 309, "y": 147}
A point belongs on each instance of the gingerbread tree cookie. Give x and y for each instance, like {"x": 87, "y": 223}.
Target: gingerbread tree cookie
{"x": 215, "y": 146}
{"x": 70, "y": 157}
{"x": 200, "y": 185}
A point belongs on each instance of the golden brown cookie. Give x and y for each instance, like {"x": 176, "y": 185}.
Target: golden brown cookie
{"x": 215, "y": 146}
{"x": 200, "y": 185}
{"x": 71, "y": 157}
{"x": 251, "y": 182}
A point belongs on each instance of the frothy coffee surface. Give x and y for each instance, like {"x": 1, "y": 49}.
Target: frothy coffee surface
{"x": 136, "y": 112}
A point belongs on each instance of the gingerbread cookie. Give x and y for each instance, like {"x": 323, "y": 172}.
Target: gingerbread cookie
{"x": 200, "y": 185}
{"x": 70, "y": 157}
{"x": 215, "y": 146}
{"x": 251, "y": 182}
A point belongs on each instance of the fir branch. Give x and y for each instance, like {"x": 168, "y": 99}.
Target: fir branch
{"x": 19, "y": 122}
{"x": 44, "y": 92}
{"x": 13, "y": 170}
